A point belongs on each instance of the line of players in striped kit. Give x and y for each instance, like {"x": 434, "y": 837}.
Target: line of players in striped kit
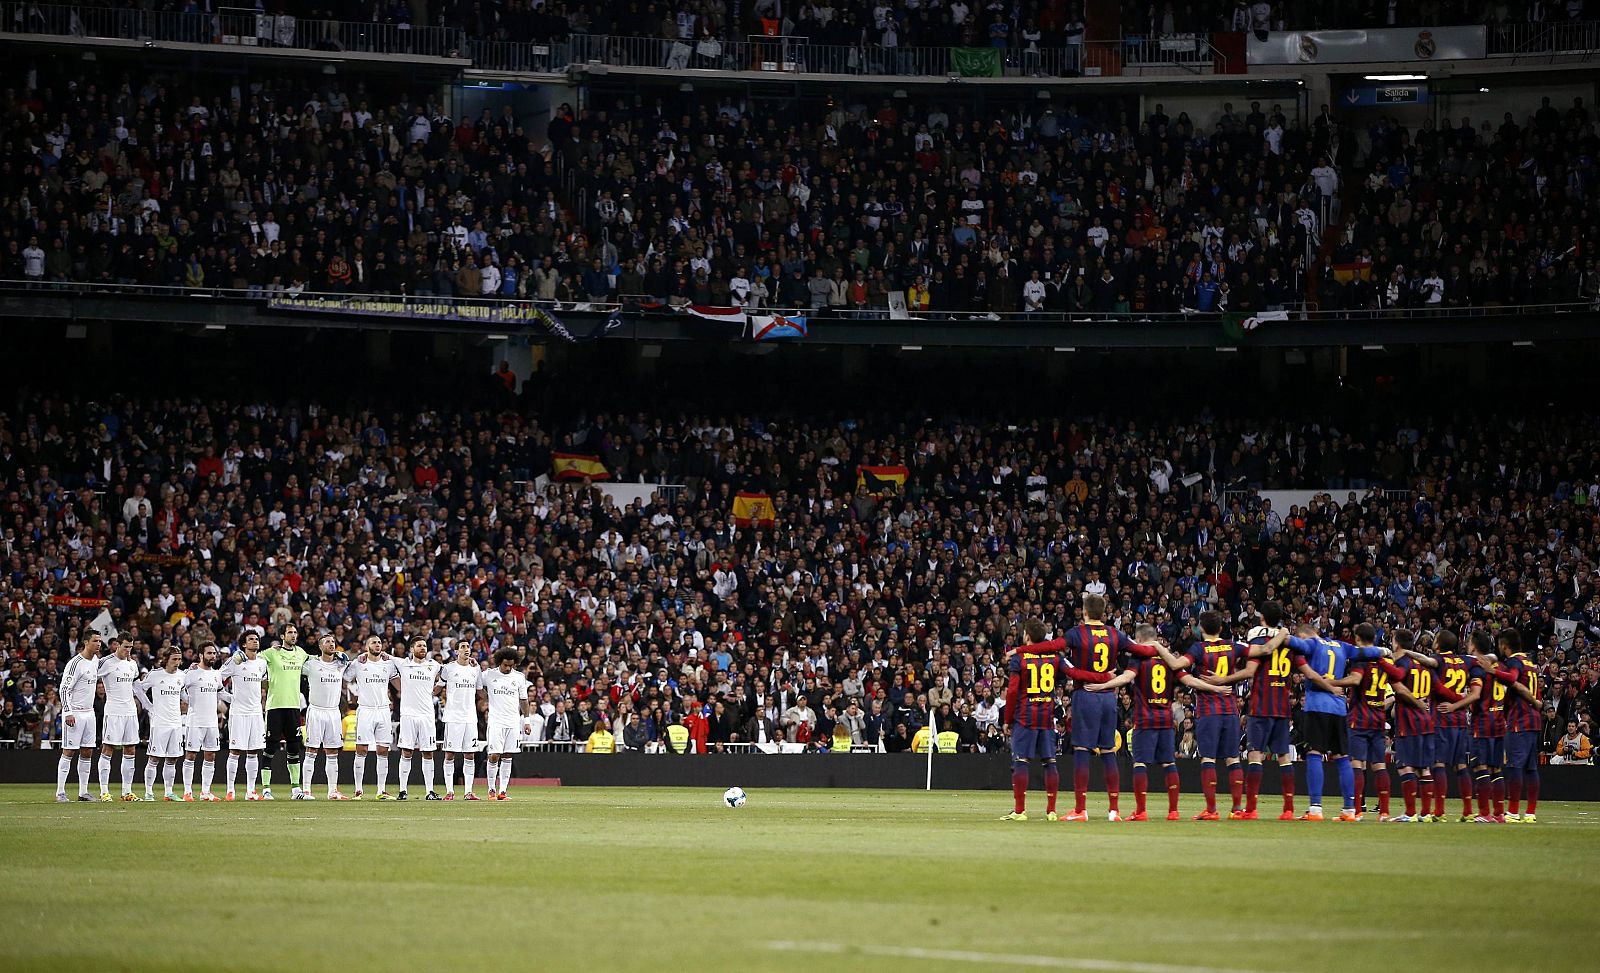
{"x": 186, "y": 707}
{"x": 1473, "y": 714}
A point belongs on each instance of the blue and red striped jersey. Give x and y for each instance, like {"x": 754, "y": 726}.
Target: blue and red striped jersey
{"x": 1269, "y": 689}
{"x": 1521, "y": 715}
{"x": 1034, "y": 675}
{"x": 1452, "y": 674}
{"x": 1154, "y": 684}
{"x": 1489, "y": 713}
{"x": 1366, "y": 704}
{"x": 1214, "y": 657}
{"x": 1096, "y": 647}
{"x": 1411, "y": 721}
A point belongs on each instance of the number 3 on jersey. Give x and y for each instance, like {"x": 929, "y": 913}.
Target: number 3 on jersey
{"x": 1041, "y": 678}
{"x": 1102, "y": 657}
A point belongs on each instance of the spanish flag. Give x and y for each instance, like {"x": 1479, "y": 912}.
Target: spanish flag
{"x": 879, "y": 480}
{"x": 752, "y": 509}
{"x": 577, "y": 466}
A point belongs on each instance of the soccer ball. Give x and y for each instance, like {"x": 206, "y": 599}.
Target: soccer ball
{"x": 733, "y": 797}
{"x": 1260, "y": 631}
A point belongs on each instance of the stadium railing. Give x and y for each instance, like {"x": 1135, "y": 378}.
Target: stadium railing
{"x": 230, "y": 27}
{"x": 1576, "y": 37}
{"x": 428, "y": 306}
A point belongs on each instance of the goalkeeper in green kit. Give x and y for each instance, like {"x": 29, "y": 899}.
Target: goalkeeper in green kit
{"x": 284, "y": 662}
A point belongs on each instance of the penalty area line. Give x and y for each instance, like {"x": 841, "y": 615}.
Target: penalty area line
{"x": 1037, "y": 961}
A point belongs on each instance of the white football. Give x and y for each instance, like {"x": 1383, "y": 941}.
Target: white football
{"x": 1261, "y": 632}
{"x": 734, "y": 797}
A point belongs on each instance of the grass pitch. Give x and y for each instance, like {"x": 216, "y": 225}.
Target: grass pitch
{"x": 654, "y": 879}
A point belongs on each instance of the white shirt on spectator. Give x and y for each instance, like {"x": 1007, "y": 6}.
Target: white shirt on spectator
{"x": 33, "y": 261}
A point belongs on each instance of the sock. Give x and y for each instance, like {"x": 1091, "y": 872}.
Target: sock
{"x": 85, "y": 767}
{"x": 1286, "y": 784}
{"x": 266, "y": 773}
{"x": 169, "y": 768}
{"x": 427, "y": 773}
{"x": 1236, "y": 786}
{"x": 233, "y": 770}
{"x": 1113, "y": 779}
{"x": 63, "y": 771}
{"x": 1425, "y": 790}
{"x": 1141, "y": 783}
{"x": 1514, "y": 791}
{"x": 1080, "y": 780}
{"x": 1530, "y": 788}
{"x": 1252, "y": 785}
{"x": 449, "y": 772}
{"x": 505, "y": 774}
{"x": 1019, "y": 787}
{"x": 1347, "y": 781}
{"x": 150, "y": 774}
{"x": 105, "y": 774}
{"x": 308, "y": 772}
{"x": 1314, "y": 781}
{"x": 405, "y": 771}
{"x": 208, "y": 772}
{"x": 383, "y": 771}
{"x": 252, "y": 770}
{"x": 1499, "y": 788}
{"x": 1464, "y": 782}
{"x": 1208, "y": 786}
{"x": 330, "y": 766}
{"x": 1361, "y": 788}
{"x": 469, "y": 769}
{"x": 127, "y": 772}
{"x": 1052, "y": 785}
{"x": 1480, "y": 784}
{"x": 494, "y": 777}
{"x": 1408, "y": 789}
{"x": 1173, "y": 787}
{"x": 188, "y": 775}
{"x": 361, "y": 770}
{"x": 1441, "y": 776}
{"x": 1383, "y": 792}
{"x": 294, "y": 772}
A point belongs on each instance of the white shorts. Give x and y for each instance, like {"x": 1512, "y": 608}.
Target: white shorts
{"x": 80, "y": 736}
{"x": 504, "y": 739}
{"x": 373, "y": 728}
{"x": 247, "y": 731}
{"x": 198, "y": 738}
{"x": 460, "y": 737}
{"x": 417, "y": 733}
{"x": 120, "y": 731}
{"x": 165, "y": 741}
{"x": 324, "y": 729}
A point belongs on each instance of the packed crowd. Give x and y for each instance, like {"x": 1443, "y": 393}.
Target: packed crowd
{"x": 861, "y": 611}
{"x": 1469, "y": 214}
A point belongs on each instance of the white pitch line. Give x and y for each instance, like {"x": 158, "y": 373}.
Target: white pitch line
{"x": 994, "y": 959}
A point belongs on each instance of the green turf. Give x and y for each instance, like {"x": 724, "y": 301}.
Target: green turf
{"x": 650, "y": 879}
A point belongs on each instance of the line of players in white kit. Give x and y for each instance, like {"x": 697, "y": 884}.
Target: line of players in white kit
{"x": 185, "y": 707}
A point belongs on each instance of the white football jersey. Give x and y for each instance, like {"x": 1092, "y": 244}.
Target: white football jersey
{"x": 119, "y": 675}
{"x": 78, "y": 679}
{"x": 203, "y": 686}
{"x": 371, "y": 680}
{"x": 166, "y": 698}
{"x": 248, "y": 676}
{"x": 417, "y": 680}
{"x": 324, "y": 681}
{"x": 461, "y": 693}
{"x": 506, "y": 690}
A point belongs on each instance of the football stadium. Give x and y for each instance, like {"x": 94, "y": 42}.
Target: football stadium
{"x": 921, "y": 485}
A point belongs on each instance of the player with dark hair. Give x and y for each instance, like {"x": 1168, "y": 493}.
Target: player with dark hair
{"x": 1096, "y": 647}
{"x": 1415, "y": 689}
{"x": 1154, "y": 684}
{"x": 1488, "y": 698}
{"x": 284, "y": 660}
{"x": 1220, "y": 663}
{"x": 1369, "y": 713}
{"x": 507, "y": 692}
{"x": 1524, "y": 725}
{"x": 1271, "y": 715}
{"x": 1326, "y": 730}
{"x": 1452, "y": 723}
{"x": 1035, "y": 670}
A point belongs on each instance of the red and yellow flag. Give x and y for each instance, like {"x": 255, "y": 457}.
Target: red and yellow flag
{"x": 751, "y": 509}
{"x": 880, "y": 480}
{"x": 577, "y": 466}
